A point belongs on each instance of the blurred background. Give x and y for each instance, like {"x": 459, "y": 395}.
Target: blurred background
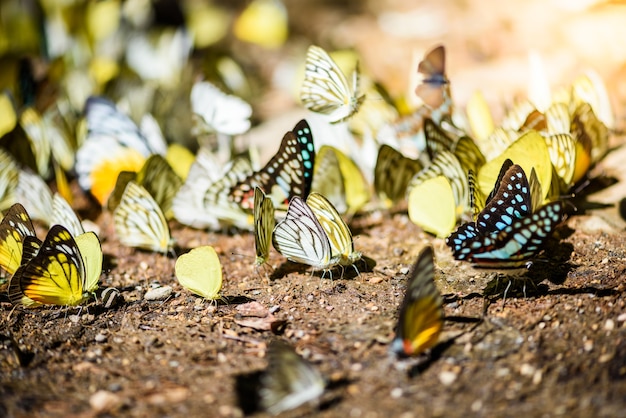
{"x": 148, "y": 53}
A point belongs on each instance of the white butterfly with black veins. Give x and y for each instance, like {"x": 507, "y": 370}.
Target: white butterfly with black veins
{"x": 325, "y": 88}
{"x": 301, "y": 238}
{"x": 289, "y": 380}
{"x": 139, "y": 221}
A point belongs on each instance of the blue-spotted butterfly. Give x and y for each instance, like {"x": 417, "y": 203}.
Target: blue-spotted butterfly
{"x": 289, "y": 173}
{"x": 507, "y": 232}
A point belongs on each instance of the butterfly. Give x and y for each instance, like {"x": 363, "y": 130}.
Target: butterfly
{"x": 325, "y": 88}
{"x": 529, "y": 151}
{"x": 114, "y": 143}
{"x": 337, "y": 231}
{"x": 392, "y": 174}
{"x": 339, "y": 179}
{"x": 434, "y": 87}
{"x": 139, "y": 221}
{"x": 65, "y": 270}
{"x": 203, "y": 200}
{"x": 421, "y": 313}
{"x": 439, "y": 195}
{"x": 63, "y": 214}
{"x": 301, "y": 238}
{"x": 9, "y": 178}
{"x": 219, "y": 112}
{"x": 288, "y": 173}
{"x": 509, "y": 230}
{"x": 200, "y": 272}
{"x": 289, "y": 381}
{"x": 14, "y": 228}
{"x": 157, "y": 177}
{"x": 264, "y": 223}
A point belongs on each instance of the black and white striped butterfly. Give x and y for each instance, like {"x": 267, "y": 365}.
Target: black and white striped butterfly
{"x": 289, "y": 172}
{"x": 325, "y": 88}
{"x": 301, "y": 238}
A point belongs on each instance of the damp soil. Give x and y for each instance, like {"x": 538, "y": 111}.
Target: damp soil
{"x": 554, "y": 346}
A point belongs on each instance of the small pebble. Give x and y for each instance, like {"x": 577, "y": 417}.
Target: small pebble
{"x": 396, "y": 393}
{"x": 103, "y": 401}
{"x": 160, "y": 293}
{"x": 404, "y": 270}
{"x": 447, "y": 377}
{"x": 621, "y": 317}
{"x": 609, "y": 325}
{"x": 100, "y": 338}
{"x": 397, "y": 251}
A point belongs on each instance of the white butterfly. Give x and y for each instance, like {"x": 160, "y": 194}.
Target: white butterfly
{"x": 301, "y": 238}
{"x": 325, "y": 88}
{"x": 35, "y": 195}
{"x": 202, "y": 202}
{"x": 220, "y": 112}
{"x": 112, "y": 141}
{"x": 161, "y": 58}
{"x": 139, "y": 221}
{"x": 289, "y": 380}
{"x": 63, "y": 214}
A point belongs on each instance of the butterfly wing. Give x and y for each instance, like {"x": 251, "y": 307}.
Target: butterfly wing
{"x": 139, "y": 221}
{"x": 91, "y": 253}
{"x": 301, "y": 238}
{"x": 392, "y": 174}
{"x": 9, "y": 177}
{"x": 328, "y": 179}
{"x": 515, "y": 244}
{"x": 200, "y": 272}
{"x": 63, "y": 214}
{"x": 14, "y": 228}
{"x": 325, "y": 88}
{"x": 289, "y": 172}
{"x": 434, "y": 86}
{"x": 56, "y": 275}
{"x": 421, "y": 312}
{"x": 264, "y": 223}
{"x": 160, "y": 180}
{"x": 289, "y": 380}
{"x": 339, "y": 235}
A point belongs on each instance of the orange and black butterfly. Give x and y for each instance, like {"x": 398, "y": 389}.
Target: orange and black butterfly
{"x": 421, "y": 312}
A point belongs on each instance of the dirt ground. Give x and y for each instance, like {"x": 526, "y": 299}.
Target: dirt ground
{"x": 555, "y": 347}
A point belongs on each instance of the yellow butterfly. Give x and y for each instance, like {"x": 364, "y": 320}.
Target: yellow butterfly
{"x": 14, "y": 228}
{"x": 529, "y": 151}
{"x": 339, "y": 235}
{"x": 200, "y": 272}
{"x": 421, "y": 313}
{"x": 392, "y": 174}
{"x": 64, "y": 272}
{"x": 432, "y": 206}
{"x": 337, "y": 177}
{"x": 264, "y": 222}
{"x": 439, "y": 195}
{"x": 157, "y": 177}
{"x": 289, "y": 380}
{"x": 325, "y": 88}
{"x": 139, "y": 221}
